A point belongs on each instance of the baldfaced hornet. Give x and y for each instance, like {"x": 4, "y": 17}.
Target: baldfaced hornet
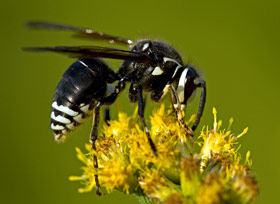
{"x": 150, "y": 66}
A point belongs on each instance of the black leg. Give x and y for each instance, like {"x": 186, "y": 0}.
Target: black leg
{"x": 133, "y": 92}
{"x": 108, "y": 100}
{"x": 141, "y": 115}
{"x": 156, "y": 95}
{"x": 201, "y": 104}
{"x": 94, "y": 131}
{"x": 177, "y": 106}
{"x": 93, "y": 137}
{"x": 106, "y": 109}
{"x": 106, "y": 115}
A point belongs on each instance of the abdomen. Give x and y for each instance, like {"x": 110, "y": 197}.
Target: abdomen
{"x": 81, "y": 85}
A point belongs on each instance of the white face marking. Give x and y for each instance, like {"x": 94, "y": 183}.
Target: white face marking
{"x": 64, "y": 109}
{"x": 165, "y": 59}
{"x": 85, "y": 108}
{"x": 60, "y": 118}
{"x": 181, "y": 85}
{"x": 70, "y": 126}
{"x": 83, "y": 63}
{"x": 145, "y": 46}
{"x": 157, "y": 71}
{"x": 78, "y": 118}
{"x": 57, "y": 127}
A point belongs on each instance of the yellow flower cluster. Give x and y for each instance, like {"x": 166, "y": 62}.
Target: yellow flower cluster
{"x": 185, "y": 171}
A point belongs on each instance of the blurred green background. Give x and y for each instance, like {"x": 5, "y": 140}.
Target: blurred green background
{"x": 234, "y": 43}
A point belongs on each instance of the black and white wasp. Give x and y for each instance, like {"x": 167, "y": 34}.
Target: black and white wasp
{"x": 150, "y": 66}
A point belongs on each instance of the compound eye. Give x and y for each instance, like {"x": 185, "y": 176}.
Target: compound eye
{"x": 191, "y": 81}
{"x": 186, "y": 86}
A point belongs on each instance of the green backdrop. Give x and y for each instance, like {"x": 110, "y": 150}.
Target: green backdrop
{"x": 234, "y": 43}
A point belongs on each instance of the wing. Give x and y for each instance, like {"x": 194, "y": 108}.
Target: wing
{"x": 95, "y": 52}
{"x": 79, "y": 32}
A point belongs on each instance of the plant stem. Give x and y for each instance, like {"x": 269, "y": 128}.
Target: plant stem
{"x": 141, "y": 197}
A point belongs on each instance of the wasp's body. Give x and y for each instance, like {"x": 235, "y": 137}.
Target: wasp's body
{"x": 83, "y": 83}
{"x": 150, "y": 66}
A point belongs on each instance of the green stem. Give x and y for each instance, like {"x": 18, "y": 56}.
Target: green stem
{"x": 142, "y": 198}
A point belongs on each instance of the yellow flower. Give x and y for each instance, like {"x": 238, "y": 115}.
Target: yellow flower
{"x": 181, "y": 173}
{"x": 190, "y": 175}
{"x": 244, "y": 184}
{"x": 156, "y": 186}
{"x": 211, "y": 189}
{"x": 216, "y": 141}
{"x": 175, "y": 199}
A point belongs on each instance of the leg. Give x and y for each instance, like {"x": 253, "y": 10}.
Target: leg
{"x": 201, "y": 104}
{"x": 157, "y": 95}
{"x": 94, "y": 131}
{"x": 93, "y": 137}
{"x": 106, "y": 115}
{"x": 108, "y": 100}
{"x": 133, "y": 92}
{"x": 177, "y": 106}
{"x": 141, "y": 115}
{"x": 106, "y": 109}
